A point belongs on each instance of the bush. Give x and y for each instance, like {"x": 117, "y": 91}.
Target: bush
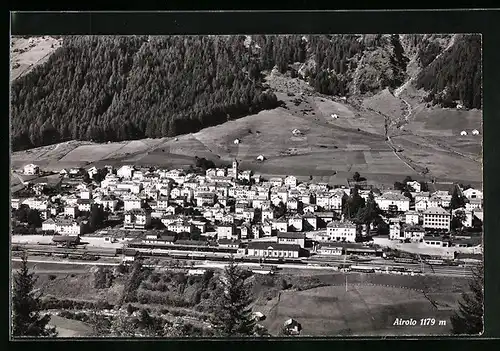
{"x": 121, "y": 269}
{"x": 205, "y": 295}
{"x": 52, "y": 277}
{"x": 155, "y": 278}
{"x": 131, "y": 309}
{"x": 268, "y": 281}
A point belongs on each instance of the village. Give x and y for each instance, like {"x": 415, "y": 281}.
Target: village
{"x": 228, "y": 210}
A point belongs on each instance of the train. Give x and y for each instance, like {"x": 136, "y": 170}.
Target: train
{"x": 362, "y": 269}
{"x": 405, "y": 260}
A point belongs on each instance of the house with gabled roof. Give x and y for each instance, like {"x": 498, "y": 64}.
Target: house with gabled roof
{"x": 280, "y": 224}
{"x": 295, "y": 223}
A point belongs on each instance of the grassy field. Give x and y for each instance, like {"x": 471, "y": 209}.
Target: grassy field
{"x": 68, "y": 328}
{"x": 328, "y": 149}
{"x": 319, "y": 300}
{"x": 432, "y": 121}
{"x": 368, "y": 307}
{"x": 387, "y": 104}
{"x": 28, "y": 53}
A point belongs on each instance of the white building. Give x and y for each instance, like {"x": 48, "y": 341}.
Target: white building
{"x": 132, "y": 202}
{"x": 125, "y": 172}
{"x": 31, "y": 169}
{"x": 437, "y": 218}
{"x": 295, "y": 223}
{"x": 291, "y": 181}
{"x": 180, "y": 227}
{"x": 412, "y": 218}
{"x": 137, "y": 219}
{"x": 415, "y": 186}
{"x": 225, "y": 232}
{"x": 267, "y": 214}
{"x": 473, "y": 194}
{"x": 474, "y": 204}
{"x": 266, "y": 249}
{"x": 68, "y": 226}
{"x": 421, "y": 205}
{"x": 109, "y": 202}
{"x": 71, "y": 211}
{"x": 434, "y": 201}
{"x": 86, "y": 194}
{"x": 393, "y": 200}
{"x": 396, "y": 230}
{"x": 414, "y": 233}
{"x": 84, "y": 205}
{"x": 276, "y": 181}
{"x": 341, "y": 231}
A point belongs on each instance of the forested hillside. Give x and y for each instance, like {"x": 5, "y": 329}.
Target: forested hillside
{"x": 119, "y": 88}
{"x": 455, "y": 75}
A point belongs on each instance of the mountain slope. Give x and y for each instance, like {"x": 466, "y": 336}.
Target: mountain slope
{"x": 122, "y": 88}
{"x": 118, "y": 88}
{"x": 455, "y": 75}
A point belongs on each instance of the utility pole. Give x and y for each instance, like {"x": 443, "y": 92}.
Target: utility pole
{"x": 345, "y": 257}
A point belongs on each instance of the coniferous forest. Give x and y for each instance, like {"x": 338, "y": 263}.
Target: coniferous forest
{"x": 454, "y": 76}
{"x": 105, "y": 88}
{"x": 117, "y": 88}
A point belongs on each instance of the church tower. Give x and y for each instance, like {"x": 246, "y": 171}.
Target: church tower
{"x": 235, "y": 169}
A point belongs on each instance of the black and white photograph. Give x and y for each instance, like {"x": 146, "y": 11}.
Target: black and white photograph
{"x": 215, "y": 186}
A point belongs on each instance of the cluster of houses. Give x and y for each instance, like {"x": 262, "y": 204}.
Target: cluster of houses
{"x": 432, "y": 214}
{"x": 232, "y": 211}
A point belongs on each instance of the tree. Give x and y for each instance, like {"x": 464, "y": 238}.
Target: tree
{"x": 399, "y": 186}
{"x": 353, "y": 204}
{"x": 102, "y": 278}
{"x": 457, "y": 201}
{"x": 100, "y": 324}
{"x": 22, "y": 213}
{"x": 122, "y": 326}
{"x": 100, "y": 175}
{"x": 457, "y": 220}
{"x": 356, "y": 177}
{"x": 86, "y": 178}
{"x": 27, "y": 320}
{"x": 96, "y": 216}
{"x": 370, "y": 213}
{"x": 232, "y": 315}
{"x": 469, "y": 317}
{"x": 33, "y": 218}
{"x": 408, "y": 195}
{"x": 134, "y": 280}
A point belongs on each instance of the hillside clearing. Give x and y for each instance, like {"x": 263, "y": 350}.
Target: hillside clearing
{"x": 26, "y": 54}
{"x": 333, "y": 311}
